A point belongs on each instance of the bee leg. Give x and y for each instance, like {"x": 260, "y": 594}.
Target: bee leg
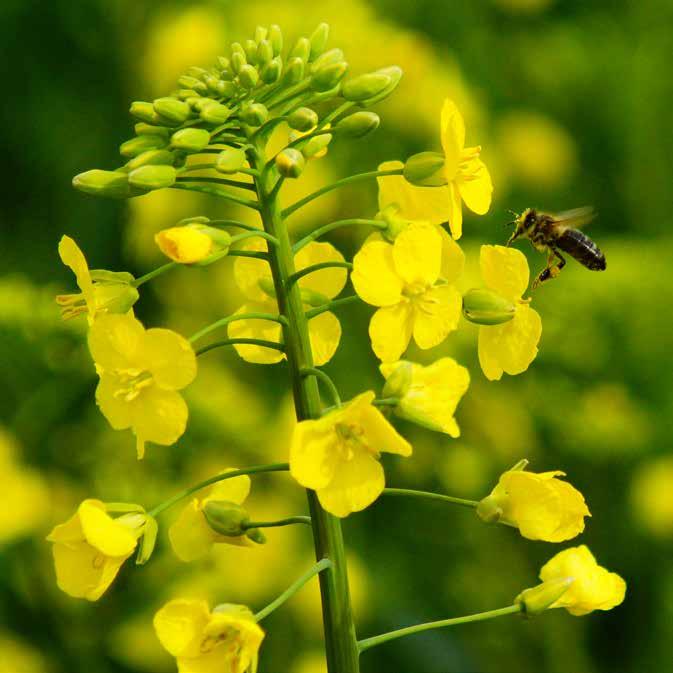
{"x": 554, "y": 271}
{"x": 551, "y": 270}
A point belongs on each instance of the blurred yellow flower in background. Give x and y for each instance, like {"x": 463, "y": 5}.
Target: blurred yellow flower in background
{"x": 652, "y": 495}
{"x": 17, "y": 657}
{"x": 140, "y": 373}
{"x": 337, "y": 455}
{"x": 90, "y": 548}
{"x": 226, "y": 639}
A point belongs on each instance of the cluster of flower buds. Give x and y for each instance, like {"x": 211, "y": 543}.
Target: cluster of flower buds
{"x": 249, "y": 91}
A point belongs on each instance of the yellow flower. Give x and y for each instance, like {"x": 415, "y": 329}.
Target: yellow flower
{"x": 184, "y": 245}
{"x": 593, "y": 587}
{"x": 512, "y": 346}
{"x": 404, "y": 280}
{"x": 90, "y": 548}
{"x": 253, "y": 277}
{"x": 226, "y": 640}
{"x": 428, "y": 395}
{"x": 140, "y": 373}
{"x": 101, "y": 291}
{"x": 191, "y": 537}
{"x": 337, "y": 455}
{"x": 541, "y": 506}
{"x": 466, "y": 175}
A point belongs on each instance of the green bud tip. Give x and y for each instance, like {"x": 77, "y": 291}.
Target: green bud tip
{"x": 190, "y": 139}
{"x": 395, "y": 74}
{"x": 226, "y": 518}
{"x": 151, "y": 158}
{"x": 152, "y": 177}
{"x": 329, "y": 76}
{"x": 215, "y": 113}
{"x": 256, "y": 535}
{"x": 425, "y": 169}
{"x": 301, "y": 49}
{"x": 486, "y": 307}
{"x": 359, "y": 124}
{"x": 303, "y": 119}
{"x": 112, "y": 184}
{"x": 254, "y": 115}
{"x": 290, "y": 163}
{"x": 543, "y": 596}
{"x": 172, "y": 109}
{"x": 230, "y": 161}
{"x": 318, "y": 41}
{"x": 135, "y": 146}
{"x": 248, "y": 76}
{"x": 365, "y": 86}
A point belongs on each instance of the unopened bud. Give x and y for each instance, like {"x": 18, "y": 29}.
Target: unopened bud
{"x": 543, "y": 596}
{"x": 318, "y": 41}
{"x": 223, "y": 63}
{"x": 145, "y": 129}
{"x": 226, "y": 518}
{"x": 226, "y": 89}
{"x": 254, "y": 115}
{"x": 230, "y": 161}
{"x": 213, "y": 83}
{"x": 425, "y": 169}
{"x": 328, "y": 58}
{"x": 248, "y": 76}
{"x": 395, "y": 74}
{"x": 290, "y": 163}
{"x": 152, "y": 177}
{"x": 190, "y": 139}
{"x": 189, "y": 82}
{"x": 215, "y": 113}
{"x": 303, "y": 119}
{"x": 151, "y": 158}
{"x": 238, "y": 60}
{"x": 398, "y": 381}
{"x": 301, "y": 49}
{"x": 256, "y": 535}
{"x": 135, "y": 146}
{"x": 186, "y": 94}
{"x": 294, "y": 71}
{"x": 359, "y": 124}
{"x": 264, "y": 52}
{"x": 261, "y": 33}
{"x": 197, "y": 72}
{"x": 316, "y": 147}
{"x": 271, "y": 72}
{"x": 250, "y": 48}
{"x": 486, "y": 307}
{"x": 328, "y": 76}
{"x": 275, "y": 37}
{"x": 143, "y": 111}
{"x": 192, "y": 243}
{"x": 112, "y": 184}
{"x": 172, "y": 109}
{"x": 365, "y": 86}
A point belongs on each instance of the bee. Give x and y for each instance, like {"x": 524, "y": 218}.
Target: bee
{"x": 553, "y": 233}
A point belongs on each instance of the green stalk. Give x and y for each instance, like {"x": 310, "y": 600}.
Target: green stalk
{"x": 340, "y": 640}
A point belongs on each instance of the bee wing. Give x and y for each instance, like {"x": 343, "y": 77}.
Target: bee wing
{"x": 575, "y": 218}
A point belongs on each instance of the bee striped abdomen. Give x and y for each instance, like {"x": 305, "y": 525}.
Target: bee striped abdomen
{"x": 582, "y": 248}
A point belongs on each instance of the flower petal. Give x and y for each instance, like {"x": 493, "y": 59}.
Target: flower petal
{"x": 169, "y": 357}
{"x": 380, "y": 435}
{"x": 374, "y": 276}
{"x": 248, "y": 271}
{"x": 190, "y": 535}
{"x": 234, "y": 490}
{"x": 314, "y": 453}
{"x": 455, "y": 214}
{"x": 159, "y": 416}
{"x": 390, "y": 331}
{"x": 115, "y": 408}
{"x": 180, "y": 624}
{"x": 436, "y": 314}
{"x": 104, "y": 533}
{"x": 417, "y": 253}
{"x": 115, "y": 341}
{"x": 73, "y": 257}
{"x": 329, "y": 282}
{"x": 453, "y": 258}
{"x": 256, "y": 329}
{"x": 504, "y": 270}
{"x": 324, "y": 333}
{"x": 476, "y": 191}
{"x": 453, "y": 137}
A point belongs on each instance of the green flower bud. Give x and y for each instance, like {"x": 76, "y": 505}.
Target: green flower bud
{"x": 215, "y": 113}
{"x": 294, "y": 71}
{"x": 425, "y": 169}
{"x": 264, "y": 52}
{"x": 197, "y": 72}
{"x": 260, "y": 33}
{"x": 303, "y": 119}
{"x": 230, "y": 161}
{"x": 148, "y": 540}
{"x": 197, "y": 104}
{"x": 316, "y": 145}
{"x": 486, "y": 307}
{"x": 365, "y": 86}
{"x": 256, "y": 535}
{"x": 188, "y": 82}
{"x": 139, "y": 144}
{"x": 112, "y": 184}
{"x": 213, "y": 84}
{"x": 226, "y": 518}
{"x": 301, "y": 49}
{"x": 541, "y": 597}
{"x": 145, "y": 129}
{"x": 143, "y": 111}
{"x": 399, "y": 382}
{"x": 226, "y": 89}
{"x": 318, "y": 41}
{"x": 395, "y": 74}
{"x": 358, "y": 125}
{"x": 223, "y": 63}
{"x": 152, "y": 177}
{"x": 151, "y": 158}
{"x": 238, "y": 60}
{"x": 313, "y": 298}
{"x": 290, "y": 163}
{"x": 248, "y": 76}
{"x": 250, "y": 48}
{"x": 254, "y": 115}
{"x": 190, "y": 139}
{"x": 186, "y": 94}
{"x": 328, "y": 76}
{"x": 271, "y": 72}
{"x": 173, "y": 109}
{"x": 275, "y": 37}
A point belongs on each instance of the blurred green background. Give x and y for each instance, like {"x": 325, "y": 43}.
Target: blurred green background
{"x": 571, "y": 102}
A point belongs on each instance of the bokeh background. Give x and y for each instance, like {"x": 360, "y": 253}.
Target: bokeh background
{"x": 571, "y": 103}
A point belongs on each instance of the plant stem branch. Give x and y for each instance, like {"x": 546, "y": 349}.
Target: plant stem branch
{"x": 329, "y": 384}
{"x": 223, "y": 322}
{"x": 241, "y": 341}
{"x": 335, "y": 303}
{"x": 280, "y": 522}
{"x": 316, "y": 267}
{"x": 428, "y": 495}
{"x": 321, "y": 231}
{"x": 153, "y": 274}
{"x": 213, "y": 191}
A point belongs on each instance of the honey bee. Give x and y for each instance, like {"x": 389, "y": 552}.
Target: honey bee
{"x": 552, "y": 233}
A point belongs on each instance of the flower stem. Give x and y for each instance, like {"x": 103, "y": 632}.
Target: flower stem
{"x": 367, "y": 643}
{"x": 386, "y": 402}
{"x": 329, "y": 384}
{"x": 256, "y": 469}
{"x": 316, "y": 267}
{"x": 323, "y": 564}
{"x": 218, "y": 181}
{"x": 431, "y": 496}
{"x": 153, "y": 274}
{"x": 214, "y": 191}
{"x": 321, "y": 231}
{"x": 241, "y": 341}
{"x": 233, "y": 318}
{"x": 280, "y": 522}
{"x": 335, "y": 303}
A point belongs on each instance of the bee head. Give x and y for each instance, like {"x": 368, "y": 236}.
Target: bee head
{"x": 523, "y": 223}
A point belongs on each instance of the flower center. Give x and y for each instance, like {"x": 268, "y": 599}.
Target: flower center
{"x": 228, "y": 636}
{"x": 351, "y": 438}
{"x": 71, "y": 305}
{"x": 131, "y": 382}
{"x": 467, "y": 170}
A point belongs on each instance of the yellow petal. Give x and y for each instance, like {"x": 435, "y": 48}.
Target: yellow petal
{"x": 453, "y": 258}
{"x": 234, "y": 490}
{"x": 314, "y": 453}
{"x": 436, "y": 314}
{"x": 512, "y": 346}
{"x": 453, "y": 138}
{"x": 476, "y": 191}
{"x": 70, "y": 532}
{"x": 417, "y": 254}
{"x": 184, "y": 245}
{"x": 114, "y": 407}
{"x": 190, "y": 535}
{"x": 390, "y": 331}
{"x": 257, "y": 329}
{"x": 324, "y": 333}
{"x": 455, "y": 212}
{"x": 380, "y": 435}
{"x": 329, "y": 282}
{"x": 374, "y": 276}
{"x": 159, "y": 416}
{"x": 573, "y": 511}
{"x": 115, "y": 340}
{"x": 73, "y": 257}
{"x": 426, "y": 204}
{"x": 103, "y": 533}
{"x": 355, "y": 485}
{"x": 504, "y": 270}
{"x": 169, "y": 357}
{"x": 180, "y": 624}
{"x": 248, "y": 271}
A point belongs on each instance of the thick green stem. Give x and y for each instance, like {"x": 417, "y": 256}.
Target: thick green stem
{"x": 340, "y": 640}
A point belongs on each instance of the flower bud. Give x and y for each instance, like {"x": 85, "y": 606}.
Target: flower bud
{"x": 248, "y": 76}
{"x": 143, "y": 111}
{"x": 213, "y": 83}
{"x": 543, "y": 596}
{"x": 135, "y": 146}
{"x": 197, "y": 72}
{"x": 151, "y": 158}
{"x": 301, "y": 49}
{"x": 152, "y": 177}
{"x": 294, "y": 71}
{"x": 329, "y": 76}
{"x": 250, "y": 48}
{"x": 256, "y": 535}
{"x": 192, "y": 243}
{"x": 359, "y": 124}
{"x": 272, "y": 70}
{"x": 290, "y": 163}
{"x": 145, "y": 129}
{"x": 113, "y": 184}
{"x": 303, "y": 119}
{"x": 190, "y": 139}
{"x": 188, "y": 82}
{"x": 316, "y": 147}
{"x": 275, "y": 37}
{"x": 264, "y": 52}
{"x": 318, "y": 41}
{"x": 238, "y": 60}
{"x": 399, "y": 381}
{"x": 261, "y": 33}
{"x": 485, "y": 307}
{"x": 395, "y": 74}
{"x": 490, "y": 509}
{"x": 365, "y": 86}
{"x": 230, "y": 161}
{"x": 148, "y": 540}
{"x": 172, "y": 109}
{"x": 226, "y": 518}
{"x": 313, "y": 298}
{"x": 226, "y": 89}
{"x": 328, "y": 58}
{"x": 185, "y": 94}
{"x": 254, "y": 115}
{"x": 215, "y": 113}
{"x": 425, "y": 169}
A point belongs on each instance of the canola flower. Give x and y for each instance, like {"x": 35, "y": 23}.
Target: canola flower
{"x": 225, "y": 639}
{"x": 140, "y": 373}
{"x": 338, "y": 455}
{"x": 403, "y": 280}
